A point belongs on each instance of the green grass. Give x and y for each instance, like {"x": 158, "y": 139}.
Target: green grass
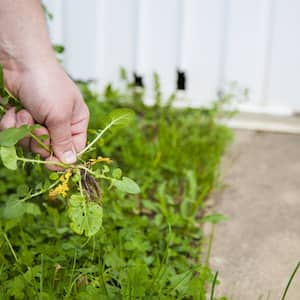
{"x": 151, "y": 244}
{"x": 290, "y": 281}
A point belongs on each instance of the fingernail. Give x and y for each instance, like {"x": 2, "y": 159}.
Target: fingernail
{"x": 69, "y": 157}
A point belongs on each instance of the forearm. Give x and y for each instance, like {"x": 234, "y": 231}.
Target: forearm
{"x": 24, "y": 38}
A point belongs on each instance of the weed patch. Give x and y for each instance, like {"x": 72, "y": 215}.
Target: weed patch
{"x": 148, "y": 244}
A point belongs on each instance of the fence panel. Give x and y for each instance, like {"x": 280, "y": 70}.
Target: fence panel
{"x": 253, "y": 42}
{"x": 157, "y": 41}
{"x": 119, "y": 27}
{"x": 80, "y": 26}
{"x": 202, "y": 46}
{"x": 283, "y": 87}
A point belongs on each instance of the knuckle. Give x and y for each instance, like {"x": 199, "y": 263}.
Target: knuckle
{"x": 56, "y": 118}
{"x": 61, "y": 142}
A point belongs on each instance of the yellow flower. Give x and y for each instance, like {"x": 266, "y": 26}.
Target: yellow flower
{"x": 94, "y": 161}
{"x": 63, "y": 187}
{"x": 66, "y": 176}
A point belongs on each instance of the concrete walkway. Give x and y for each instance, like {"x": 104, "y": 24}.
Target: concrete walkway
{"x": 257, "y": 249}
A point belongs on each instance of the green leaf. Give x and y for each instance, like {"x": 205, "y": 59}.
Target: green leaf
{"x": 15, "y": 288}
{"x": 9, "y": 137}
{"x": 85, "y": 217}
{"x": 117, "y": 173}
{"x": 13, "y": 209}
{"x": 123, "y": 74}
{"x": 4, "y": 100}
{"x": 53, "y": 176}
{"x": 44, "y": 137}
{"x": 9, "y": 224}
{"x": 119, "y": 117}
{"x": 22, "y": 190}
{"x": 105, "y": 169}
{"x": 32, "y": 209}
{"x": 214, "y": 218}
{"x": 58, "y": 48}
{"x": 126, "y": 185}
{"x": 9, "y": 157}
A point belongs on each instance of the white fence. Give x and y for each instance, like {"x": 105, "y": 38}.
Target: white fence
{"x": 254, "y": 42}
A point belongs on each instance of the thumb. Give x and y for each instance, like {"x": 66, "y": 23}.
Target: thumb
{"x": 61, "y": 141}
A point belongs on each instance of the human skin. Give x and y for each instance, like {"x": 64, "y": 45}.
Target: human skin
{"x": 32, "y": 74}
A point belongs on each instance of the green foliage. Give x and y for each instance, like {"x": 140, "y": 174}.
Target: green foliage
{"x": 126, "y": 185}
{"x": 84, "y": 209}
{"x": 59, "y": 49}
{"x": 47, "y": 13}
{"x": 86, "y": 217}
{"x": 9, "y": 137}
{"x": 9, "y": 157}
{"x": 214, "y": 218}
{"x": 119, "y": 117}
{"x": 134, "y": 246}
{"x": 13, "y": 209}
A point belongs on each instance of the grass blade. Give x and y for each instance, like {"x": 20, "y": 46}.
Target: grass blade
{"x": 290, "y": 281}
{"x": 10, "y": 246}
{"x": 213, "y": 286}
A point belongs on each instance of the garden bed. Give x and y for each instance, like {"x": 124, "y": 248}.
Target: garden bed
{"x": 150, "y": 244}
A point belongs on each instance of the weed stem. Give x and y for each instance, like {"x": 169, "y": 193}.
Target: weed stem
{"x": 39, "y": 141}
{"x": 11, "y": 95}
{"x": 40, "y": 192}
{"x": 37, "y": 161}
{"x": 95, "y": 140}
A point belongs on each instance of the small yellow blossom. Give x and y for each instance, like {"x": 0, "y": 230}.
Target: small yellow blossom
{"x": 63, "y": 187}
{"x": 94, "y": 161}
{"x": 65, "y": 177}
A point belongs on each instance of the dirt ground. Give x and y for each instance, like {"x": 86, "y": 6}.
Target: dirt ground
{"x": 256, "y": 250}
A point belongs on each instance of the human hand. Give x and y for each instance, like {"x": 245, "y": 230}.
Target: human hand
{"x": 51, "y": 99}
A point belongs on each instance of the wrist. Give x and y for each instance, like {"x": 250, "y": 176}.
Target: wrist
{"x": 17, "y": 56}
{"x": 21, "y": 61}
{"x": 17, "y": 70}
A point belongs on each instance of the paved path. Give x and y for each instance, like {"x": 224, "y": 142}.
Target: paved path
{"x": 258, "y": 248}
